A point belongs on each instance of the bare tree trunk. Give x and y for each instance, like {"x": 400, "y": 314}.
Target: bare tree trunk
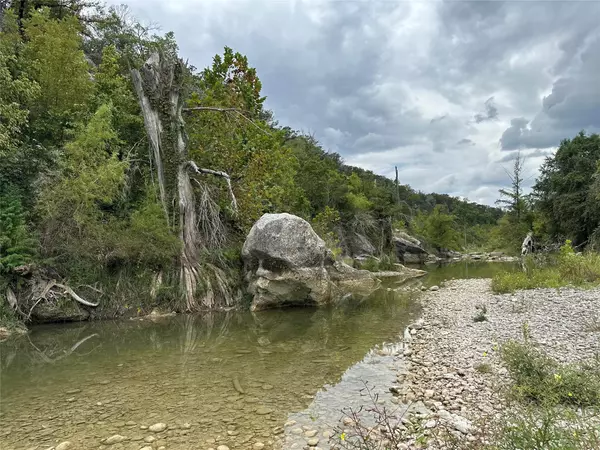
{"x": 160, "y": 90}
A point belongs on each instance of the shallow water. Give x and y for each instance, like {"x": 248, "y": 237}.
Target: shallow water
{"x": 85, "y": 382}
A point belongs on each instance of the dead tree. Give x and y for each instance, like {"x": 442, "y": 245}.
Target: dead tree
{"x": 161, "y": 90}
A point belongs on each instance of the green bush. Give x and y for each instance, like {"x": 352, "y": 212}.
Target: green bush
{"x": 545, "y": 429}
{"x": 16, "y": 246}
{"x": 565, "y": 268}
{"x": 541, "y": 379}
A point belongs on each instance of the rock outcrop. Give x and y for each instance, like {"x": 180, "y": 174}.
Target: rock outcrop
{"x": 408, "y": 249}
{"x": 287, "y": 263}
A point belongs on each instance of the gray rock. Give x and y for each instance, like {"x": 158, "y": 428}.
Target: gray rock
{"x": 409, "y": 249}
{"x": 359, "y": 245}
{"x": 286, "y": 263}
{"x": 313, "y": 442}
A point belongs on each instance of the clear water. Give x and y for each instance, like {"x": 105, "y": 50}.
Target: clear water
{"x": 230, "y": 379}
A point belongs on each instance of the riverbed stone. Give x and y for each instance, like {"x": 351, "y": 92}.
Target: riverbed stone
{"x": 115, "y": 439}
{"x": 222, "y": 447}
{"x": 64, "y": 445}
{"x": 313, "y": 442}
{"x": 158, "y": 427}
{"x": 264, "y": 410}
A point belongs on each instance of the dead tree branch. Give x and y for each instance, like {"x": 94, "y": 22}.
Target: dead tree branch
{"x": 217, "y": 173}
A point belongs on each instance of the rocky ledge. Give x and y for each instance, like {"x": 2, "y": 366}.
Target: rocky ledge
{"x": 446, "y": 347}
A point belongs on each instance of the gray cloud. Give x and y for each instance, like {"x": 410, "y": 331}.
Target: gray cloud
{"x": 403, "y": 83}
{"x": 491, "y": 111}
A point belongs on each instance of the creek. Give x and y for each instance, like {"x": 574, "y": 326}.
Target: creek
{"x": 232, "y": 378}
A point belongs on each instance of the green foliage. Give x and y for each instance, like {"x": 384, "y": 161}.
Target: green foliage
{"x": 17, "y": 90}
{"x": 57, "y": 63}
{"x": 565, "y": 191}
{"x": 16, "y": 245}
{"x": 566, "y": 268}
{"x": 326, "y": 225}
{"x": 438, "y": 228}
{"x": 509, "y": 233}
{"x": 545, "y": 429}
{"x": 541, "y": 379}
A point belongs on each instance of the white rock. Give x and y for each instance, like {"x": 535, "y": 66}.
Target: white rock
{"x": 158, "y": 427}
{"x": 64, "y": 445}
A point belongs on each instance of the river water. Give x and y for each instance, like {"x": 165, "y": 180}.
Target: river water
{"x": 230, "y": 379}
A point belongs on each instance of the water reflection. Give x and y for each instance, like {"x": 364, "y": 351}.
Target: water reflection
{"x": 85, "y": 382}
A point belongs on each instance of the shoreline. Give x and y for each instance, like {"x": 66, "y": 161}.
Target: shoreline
{"x": 455, "y": 380}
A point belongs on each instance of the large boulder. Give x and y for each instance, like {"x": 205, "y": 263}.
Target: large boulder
{"x": 287, "y": 263}
{"x": 284, "y": 240}
{"x": 408, "y": 249}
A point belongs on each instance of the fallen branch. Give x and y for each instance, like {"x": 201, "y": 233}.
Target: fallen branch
{"x": 75, "y": 297}
{"x": 217, "y": 173}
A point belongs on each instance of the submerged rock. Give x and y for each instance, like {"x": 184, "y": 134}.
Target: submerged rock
{"x": 287, "y": 263}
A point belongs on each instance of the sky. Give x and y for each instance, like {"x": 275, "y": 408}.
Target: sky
{"x": 448, "y": 91}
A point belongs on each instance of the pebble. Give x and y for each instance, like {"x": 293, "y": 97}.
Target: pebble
{"x": 64, "y": 445}
{"x": 313, "y": 442}
{"x": 441, "y": 381}
{"x": 114, "y": 439}
{"x": 258, "y": 446}
{"x": 310, "y": 433}
{"x": 264, "y": 410}
{"x": 222, "y": 447}
{"x": 158, "y": 427}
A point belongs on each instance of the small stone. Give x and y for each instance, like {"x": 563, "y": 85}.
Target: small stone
{"x": 310, "y": 433}
{"x": 233, "y": 432}
{"x": 64, "y": 445}
{"x": 147, "y": 447}
{"x": 429, "y": 393}
{"x": 73, "y": 391}
{"x": 222, "y": 447}
{"x": 430, "y": 424}
{"x": 267, "y": 387}
{"x": 434, "y": 288}
{"x": 143, "y": 427}
{"x": 130, "y": 423}
{"x": 296, "y": 430}
{"x": 313, "y": 442}
{"x": 71, "y": 399}
{"x": 263, "y": 410}
{"x": 186, "y": 426}
{"x": 290, "y": 423}
{"x": 348, "y": 421}
{"x": 149, "y": 439}
{"x": 258, "y": 446}
{"x": 158, "y": 427}
{"x": 114, "y": 439}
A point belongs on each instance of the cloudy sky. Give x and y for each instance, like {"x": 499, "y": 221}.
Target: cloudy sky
{"x": 447, "y": 91}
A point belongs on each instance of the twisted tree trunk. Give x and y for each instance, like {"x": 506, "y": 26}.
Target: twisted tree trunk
{"x": 159, "y": 85}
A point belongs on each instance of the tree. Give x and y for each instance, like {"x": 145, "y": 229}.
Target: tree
{"x": 57, "y": 63}
{"x": 564, "y": 190}
{"x": 17, "y": 90}
{"x": 439, "y": 228}
{"x": 513, "y": 198}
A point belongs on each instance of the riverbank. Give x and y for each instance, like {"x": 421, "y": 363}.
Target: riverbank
{"x": 455, "y": 372}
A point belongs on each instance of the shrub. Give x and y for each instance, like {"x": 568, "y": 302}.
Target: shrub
{"x": 541, "y": 379}
{"x": 481, "y": 314}
{"x": 547, "y": 429}
{"x": 552, "y": 271}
